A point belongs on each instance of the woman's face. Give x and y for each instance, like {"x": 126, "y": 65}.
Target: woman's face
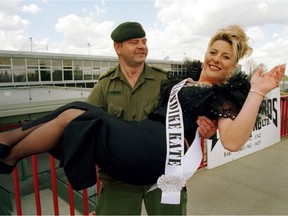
{"x": 219, "y": 62}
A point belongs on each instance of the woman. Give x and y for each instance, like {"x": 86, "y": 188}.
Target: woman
{"x": 80, "y": 135}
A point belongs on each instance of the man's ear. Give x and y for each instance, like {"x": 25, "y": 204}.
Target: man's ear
{"x": 117, "y": 47}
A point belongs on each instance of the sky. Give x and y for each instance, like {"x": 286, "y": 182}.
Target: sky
{"x": 175, "y": 29}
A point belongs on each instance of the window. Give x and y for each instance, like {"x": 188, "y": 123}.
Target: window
{"x": 32, "y": 62}
{"x": 5, "y": 70}
{"x": 5, "y": 75}
{"x": 33, "y": 74}
{"x": 96, "y": 70}
{"x": 78, "y": 73}
{"x": 19, "y": 69}
{"x": 45, "y": 69}
{"x": 57, "y": 70}
{"x": 87, "y": 70}
{"x": 104, "y": 67}
{"x": 67, "y": 69}
{"x": 5, "y": 61}
{"x": 78, "y": 70}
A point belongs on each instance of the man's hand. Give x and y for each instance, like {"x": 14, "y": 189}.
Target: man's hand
{"x": 207, "y": 128}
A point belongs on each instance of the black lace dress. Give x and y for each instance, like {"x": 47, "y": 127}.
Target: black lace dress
{"x": 135, "y": 152}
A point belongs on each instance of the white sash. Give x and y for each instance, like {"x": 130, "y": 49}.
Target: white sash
{"x": 179, "y": 167}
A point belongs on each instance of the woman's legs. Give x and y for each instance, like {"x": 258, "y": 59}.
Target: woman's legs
{"x": 11, "y": 137}
{"x": 38, "y": 139}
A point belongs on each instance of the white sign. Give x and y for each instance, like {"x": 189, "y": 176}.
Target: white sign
{"x": 266, "y": 132}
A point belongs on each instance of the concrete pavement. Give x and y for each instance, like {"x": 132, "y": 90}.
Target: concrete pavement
{"x": 256, "y": 184}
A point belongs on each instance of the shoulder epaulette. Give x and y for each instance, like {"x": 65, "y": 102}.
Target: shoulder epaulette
{"x": 107, "y": 73}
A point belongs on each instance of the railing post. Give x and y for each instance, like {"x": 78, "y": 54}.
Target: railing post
{"x": 36, "y": 185}
{"x": 284, "y": 115}
{"x": 54, "y": 185}
{"x": 17, "y": 191}
{"x": 71, "y": 199}
{"x": 85, "y": 202}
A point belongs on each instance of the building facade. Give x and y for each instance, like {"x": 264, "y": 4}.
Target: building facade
{"x": 19, "y": 68}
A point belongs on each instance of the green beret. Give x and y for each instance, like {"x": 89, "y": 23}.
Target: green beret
{"x": 126, "y": 31}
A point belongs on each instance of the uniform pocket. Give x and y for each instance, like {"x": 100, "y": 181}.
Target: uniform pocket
{"x": 116, "y": 111}
{"x": 149, "y": 108}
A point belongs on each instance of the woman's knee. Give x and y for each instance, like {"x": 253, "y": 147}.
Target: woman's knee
{"x": 68, "y": 115}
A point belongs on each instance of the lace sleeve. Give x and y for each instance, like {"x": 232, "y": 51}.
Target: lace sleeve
{"x": 228, "y": 111}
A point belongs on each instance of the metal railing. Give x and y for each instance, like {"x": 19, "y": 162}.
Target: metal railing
{"x": 284, "y": 116}
{"x": 56, "y": 184}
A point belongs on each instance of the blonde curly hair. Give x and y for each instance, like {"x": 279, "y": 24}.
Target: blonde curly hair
{"x": 236, "y": 36}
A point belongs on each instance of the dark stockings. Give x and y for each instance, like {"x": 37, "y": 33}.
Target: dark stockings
{"x": 38, "y": 139}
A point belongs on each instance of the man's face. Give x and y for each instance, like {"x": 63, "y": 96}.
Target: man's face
{"x": 133, "y": 51}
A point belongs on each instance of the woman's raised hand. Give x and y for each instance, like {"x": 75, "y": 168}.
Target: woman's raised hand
{"x": 269, "y": 81}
